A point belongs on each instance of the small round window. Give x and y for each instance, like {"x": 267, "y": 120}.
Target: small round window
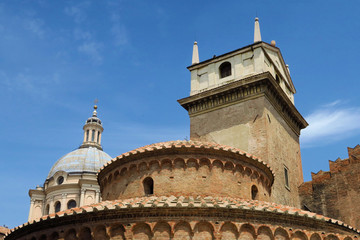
{"x": 60, "y": 180}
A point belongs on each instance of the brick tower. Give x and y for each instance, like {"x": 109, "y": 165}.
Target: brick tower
{"x": 245, "y": 99}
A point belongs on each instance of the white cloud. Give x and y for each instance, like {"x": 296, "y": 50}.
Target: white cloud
{"x": 80, "y": 34}
{"x": 77, "y": 11}
{"x": 4, "y": 80}
{"x": 120, "y": 34}
{"x": 92, "y": 49}
{"x": 87, "y": 43}
{"x": 330, "y": 123}
{"x": 35, "y": 25}
{"x": 118, "y": 29}
{"x": 28, "y": 83}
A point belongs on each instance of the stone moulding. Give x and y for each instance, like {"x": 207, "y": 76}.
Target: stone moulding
{"x": 242, "y": 90}
{"x": 216, "y": 212}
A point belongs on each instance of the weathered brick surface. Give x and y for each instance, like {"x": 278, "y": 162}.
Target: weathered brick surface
{"x": 256, "y": 127}
{"x": 166, "y": 229}
{"x": 336, "y": 193}
{"x": 189, "y": 170}
{"x": 185, "y": 218}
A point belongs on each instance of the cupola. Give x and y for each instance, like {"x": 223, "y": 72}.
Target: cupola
{"x": 92, "y": 131}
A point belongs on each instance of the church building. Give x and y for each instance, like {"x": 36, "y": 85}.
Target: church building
{"x": 72, "y": 181}
{"x": 237, "y": 177}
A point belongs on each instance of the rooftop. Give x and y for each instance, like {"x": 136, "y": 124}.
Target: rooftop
{"x": 172, "y": 202}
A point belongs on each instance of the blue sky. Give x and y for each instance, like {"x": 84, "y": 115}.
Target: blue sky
{"x": 56, "y": 57}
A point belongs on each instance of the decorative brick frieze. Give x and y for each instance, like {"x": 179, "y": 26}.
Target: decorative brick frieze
{"x": 231, "y": 219}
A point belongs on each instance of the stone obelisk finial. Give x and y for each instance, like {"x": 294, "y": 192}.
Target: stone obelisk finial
{"x": 257, "y": 34}
{"x": 195, "y": 56}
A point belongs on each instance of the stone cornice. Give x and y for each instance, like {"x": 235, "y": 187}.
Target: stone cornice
{"x": 62, "y": 187}
{"x": 33, "y": 192}
{"x": 190, "y": 208}
{"x": 242, "y": 90}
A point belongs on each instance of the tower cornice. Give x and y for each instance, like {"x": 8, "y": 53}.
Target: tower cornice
{"x": 243, "y": 90}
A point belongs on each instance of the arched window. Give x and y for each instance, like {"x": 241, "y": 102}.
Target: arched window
{"x": 71, "y": 204}
{"x": 87, "y": 135}
{"x": 47, "y": 209}
{"x": 225, "y": 69}
{"x": 254, "y": 192}
{"x": 57, "y": 206}
{"x": 98, "y": 137}
{"x": 93, "y": 135}
{"x": 277, "y": 79}
{"x": 148, "y": 186}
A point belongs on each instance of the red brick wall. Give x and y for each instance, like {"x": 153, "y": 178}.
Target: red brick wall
{"x": 185, "y": 175}
{"x": 180, "y": 230}
{"x": 336, "y": 193}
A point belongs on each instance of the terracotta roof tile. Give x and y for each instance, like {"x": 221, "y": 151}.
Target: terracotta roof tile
{"x": 4, "y": 230}
{"x": 197, "y": 202}
{"x": 185, "y": 144}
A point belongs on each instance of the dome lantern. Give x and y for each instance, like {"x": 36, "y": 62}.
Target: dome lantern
{"x": 92, "y": 131}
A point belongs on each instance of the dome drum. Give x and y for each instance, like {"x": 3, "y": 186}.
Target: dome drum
{"x": 185, "y": 168}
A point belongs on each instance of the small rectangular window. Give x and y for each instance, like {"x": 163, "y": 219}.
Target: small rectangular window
{"x": 286, "y": 175}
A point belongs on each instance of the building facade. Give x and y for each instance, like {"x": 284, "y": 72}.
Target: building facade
{"x": 72, "y": 181}
{"x": 335, "y": 193}
{"x": 245, "y": 99}
{"x": 236, "y": 178}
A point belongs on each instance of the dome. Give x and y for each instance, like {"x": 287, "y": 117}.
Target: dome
{"x": 88, "y": 159}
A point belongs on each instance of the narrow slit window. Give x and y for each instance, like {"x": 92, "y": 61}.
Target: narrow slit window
{"x": 98, "y": 137}
{"x": 87, "y": 135}
{"x": 254, "y": 192}
{"x": 92, "y": 135}
{"x": 286, "y": 175}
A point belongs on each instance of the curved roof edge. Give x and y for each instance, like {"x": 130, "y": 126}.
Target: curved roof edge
{"x": 173, "y": 202}
{"x": 179, "y": 144}
{"x": 88, "y": 159}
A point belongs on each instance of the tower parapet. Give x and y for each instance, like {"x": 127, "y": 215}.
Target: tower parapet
{"x": 254, "y": 59}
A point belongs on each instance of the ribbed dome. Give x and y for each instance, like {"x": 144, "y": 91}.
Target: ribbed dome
{"x": 88, "y": 159}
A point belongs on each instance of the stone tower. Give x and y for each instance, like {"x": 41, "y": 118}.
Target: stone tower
{"x": 244, "y": 99}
